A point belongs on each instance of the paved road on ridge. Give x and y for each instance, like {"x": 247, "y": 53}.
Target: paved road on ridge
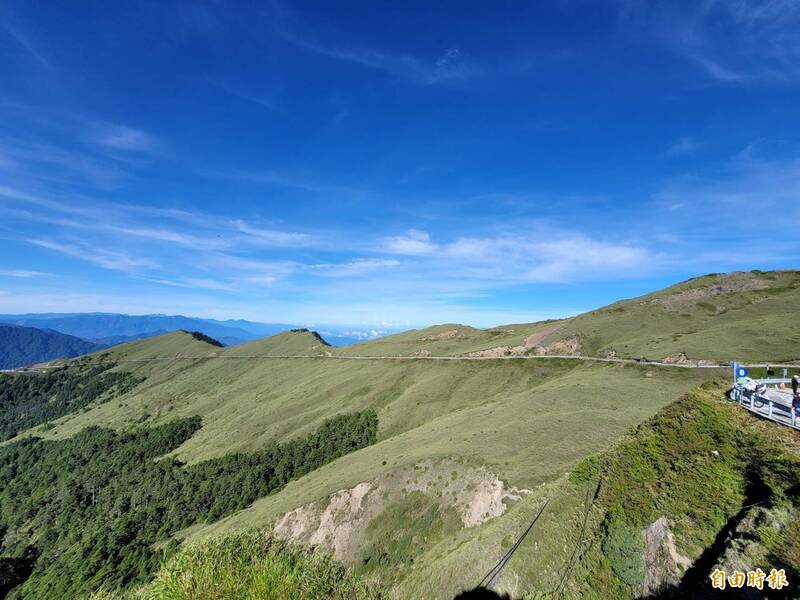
{"x": 632, "y": 361}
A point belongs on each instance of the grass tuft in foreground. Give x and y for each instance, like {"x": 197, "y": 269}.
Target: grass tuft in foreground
{"x": 251, "y": 565}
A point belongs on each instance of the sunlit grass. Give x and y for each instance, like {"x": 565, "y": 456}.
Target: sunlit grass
{"x": 250, "y": 565}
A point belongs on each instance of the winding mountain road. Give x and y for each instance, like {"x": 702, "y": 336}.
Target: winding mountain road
{"x": 632, "y": 361}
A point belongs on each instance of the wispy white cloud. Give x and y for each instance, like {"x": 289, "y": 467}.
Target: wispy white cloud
{"x": 273, "y": 237}
{"x": 195, "y": 229}
{"x": 167, "y": 235}
{"x": 734, "y": 216}
{"x": 15, "y": 31}
{"x": 732, "y": 41}
{"x": 108, "y": 259}
{"x": 369, "y": 334}
{"x": 354, "y": 268}
{"x": 23, "y": 273}
{"x": 686, "y": 146}
{"x": 120, "y": 137}
{"x": 258, "y": 100}
{"x": 449, "y": 66}
{"x": 51, "y": 163}
{"x": 193, "y": 283}
{"x": 413, "y": 242}
{"x": 298, "y": 182}
{"x": 537, "y": 256}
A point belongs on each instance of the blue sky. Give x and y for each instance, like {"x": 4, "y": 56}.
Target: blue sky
{"x": 391, "y": 165}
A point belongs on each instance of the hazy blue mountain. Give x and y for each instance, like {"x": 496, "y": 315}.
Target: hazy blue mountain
{"x": 22, "y": 346}
{"x": 113, "y": 340}
{"x": 114, "y": 328}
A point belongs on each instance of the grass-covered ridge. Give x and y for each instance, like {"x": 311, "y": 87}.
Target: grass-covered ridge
{"x": 92, "y": 507}
{"x": 202, "y": 337}
{"x": 718, "y": 317}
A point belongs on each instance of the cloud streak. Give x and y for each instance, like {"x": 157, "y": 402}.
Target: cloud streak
{"x": 732, "y": 41}
{"x": 449, "y": 66}
{"x": 108, "y": 259}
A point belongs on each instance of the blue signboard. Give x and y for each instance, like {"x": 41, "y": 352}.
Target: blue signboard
{"x": 741, "y": 372}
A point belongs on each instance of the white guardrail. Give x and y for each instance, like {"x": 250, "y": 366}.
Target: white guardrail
{"x": 767, "y": 398}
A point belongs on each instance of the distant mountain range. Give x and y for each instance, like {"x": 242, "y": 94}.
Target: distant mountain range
{"x": 20, "y": 346}
{"x": 88, "y": 332}
{"x": 112, "y": 328}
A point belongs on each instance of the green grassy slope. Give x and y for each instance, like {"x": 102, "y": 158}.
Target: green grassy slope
{"x": 666, "y": 468}
{"x": 529, "y": 421}
{"x": 744, "y": 316}
{"x": 447, "y": 340}
{"x": 250, "y": 565}
{"x": 726, "y": 481}
{"x": 297, "y": 342}
{"x": 747, "y": 316}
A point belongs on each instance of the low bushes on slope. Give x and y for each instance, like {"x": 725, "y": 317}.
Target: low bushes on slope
{"x": 202, "y": 337}
{"x": 705, "y": 465}
{"x": 28, "y": 399}
{"x": 94, "y": 505}
{"x": 251, "y": 565}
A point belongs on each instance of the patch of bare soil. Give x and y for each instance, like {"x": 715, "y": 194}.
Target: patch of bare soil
{"x": 535, "y": 339}
{"x": 450, "y": 334}
{"x": 532, "y": 345}
{"x": 423, "y": 353}
{"x": 570, "y": 346}
{"x": 679, "y": 358}
{"x": 339, "y": 522}
{"x": 337, "y": 525}
{"x": 496, "y": 352}
{"x": 729, "y": 285}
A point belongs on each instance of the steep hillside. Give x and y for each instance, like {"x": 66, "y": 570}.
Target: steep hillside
{"x": 742, "y": 316}
{"x": 466, "y": 452}
{"x": 472, "y": 438}
{"x": 22, "y": 346}
{"x": 745, "y": 316}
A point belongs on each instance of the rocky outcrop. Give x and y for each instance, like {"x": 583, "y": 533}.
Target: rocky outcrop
{"x": 336, "y": 526}
{"x": 733, "y": 284}
{"x": 451, "y": 334}
{"x": 339, "y": 522}
{"x": 664, "y": 566}
{"x": 569, "y": 346}
{"x": 679, "y": 358}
